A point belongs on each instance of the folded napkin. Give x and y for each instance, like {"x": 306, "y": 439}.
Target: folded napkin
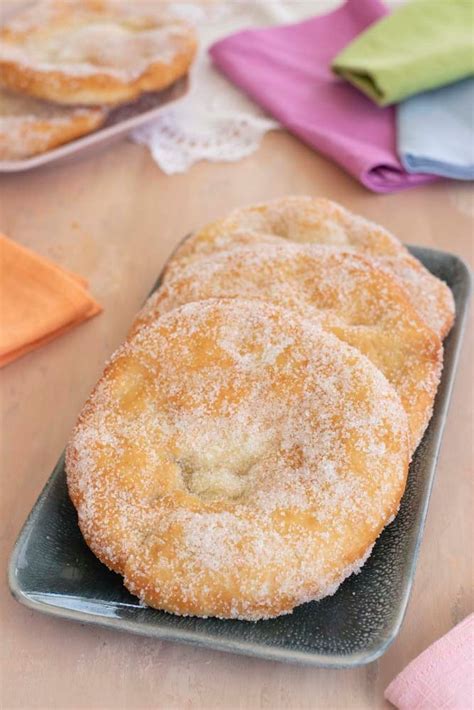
{"x": 286, "y": 70}
{"x": 424, "y": 44}
{"x": 441, "y": 677}
{"x": 39, "y": 301}
{"x": 436, "y": 131}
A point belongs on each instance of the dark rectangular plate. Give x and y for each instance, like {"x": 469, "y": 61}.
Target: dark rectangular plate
{"x": 53, "y": 571}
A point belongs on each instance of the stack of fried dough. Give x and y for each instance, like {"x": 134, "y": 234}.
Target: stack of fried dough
{"x": 251, "y": 439}
{"x": 65, "y": 63}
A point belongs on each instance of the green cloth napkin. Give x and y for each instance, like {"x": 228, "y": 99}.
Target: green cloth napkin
{"x": 422, "y": 45}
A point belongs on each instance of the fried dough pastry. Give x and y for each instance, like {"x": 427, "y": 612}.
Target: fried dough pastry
{"x": 320, "y": 222}
{"x": 29, "y": 126}
{"x": 94, "y": 51}
{"x": 343, "y": 292}
{"x": 235, "y": 460}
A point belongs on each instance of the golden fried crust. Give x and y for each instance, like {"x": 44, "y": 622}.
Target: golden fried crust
{"x": 323, "y": 223}
{"x": 235, "y": 460}
{"x": 343, "y": 292}
{"x": 29, "y": 126}
{"x": 430, "y": 296}
{"x": 94, "y": 52}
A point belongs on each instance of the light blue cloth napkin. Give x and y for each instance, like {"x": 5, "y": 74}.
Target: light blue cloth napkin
{"x": 436, "y": 131}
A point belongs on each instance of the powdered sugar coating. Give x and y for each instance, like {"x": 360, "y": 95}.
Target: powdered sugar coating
{"x": 29, "y": 126}
{"x": 321, "y": 222}
{"x": 343, "y": 292}
{"x": 235, "y": 460}
{"x": 430, "y": 296}
{"x": 94, "y": 51}
{"x": 303, "y": 219}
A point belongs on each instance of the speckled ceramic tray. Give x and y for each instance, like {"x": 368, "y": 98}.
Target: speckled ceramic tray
{"x": 52, "y": 570}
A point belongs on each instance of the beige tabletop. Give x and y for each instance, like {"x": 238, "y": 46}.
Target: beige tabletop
{"x": 114, "y": 218}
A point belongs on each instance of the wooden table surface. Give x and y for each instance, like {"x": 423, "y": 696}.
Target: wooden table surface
{"x": 114, "y": 218}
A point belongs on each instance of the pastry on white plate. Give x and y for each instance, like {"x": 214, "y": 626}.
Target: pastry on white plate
{"x": 29, "y": 127}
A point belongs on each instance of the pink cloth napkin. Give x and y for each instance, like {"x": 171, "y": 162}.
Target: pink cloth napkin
{"x": 441, "y": 677}
{"x": 287, "y": 70}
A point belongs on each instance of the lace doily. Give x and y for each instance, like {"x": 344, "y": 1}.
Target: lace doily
{"x": 215, "y": 121}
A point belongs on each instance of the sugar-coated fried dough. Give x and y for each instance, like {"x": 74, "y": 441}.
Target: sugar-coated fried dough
{"x": 320, "y": 222}
{"x": 29, "y": 126}
{"x": 94, "y": 51}
{"x": 344, "y": 292}
{"x": 235, "y": 460}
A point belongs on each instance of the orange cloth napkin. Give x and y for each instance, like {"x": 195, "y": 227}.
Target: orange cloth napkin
{"x": 38, "y": 301}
